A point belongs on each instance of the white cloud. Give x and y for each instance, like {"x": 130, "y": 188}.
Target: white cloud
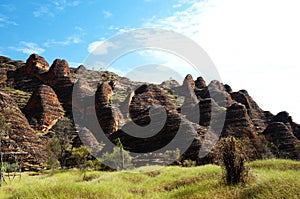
{"x": 28, "y": 48}
{"x": 254, "y": 44}
{"x": 73, "y": 39}
{"x": 69, "y": 40}
{"x": 53, "y": 7}
{"x": 62, "y": 4}
{"x": 4, "y": 20}
{"x": 106, "y": 14}
{"x": 177, "y": 5}
{"x": 42, "y": 10}
{"x": 99, "y": 47}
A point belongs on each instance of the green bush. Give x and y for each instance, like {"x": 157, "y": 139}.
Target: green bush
{"x": 189, "y": 163}
{"x": 233, "y": 159}
{"x": 81, "y": 156}
{"x": 118, "y": 159}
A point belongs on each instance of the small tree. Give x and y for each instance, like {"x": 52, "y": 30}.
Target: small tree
{"x": 63, "y": 132}
{"x": 53, "y": 151}
{"x": 118, "y": 159}
{"x": 233, "y": 158}
{"x": 81, "y": 155}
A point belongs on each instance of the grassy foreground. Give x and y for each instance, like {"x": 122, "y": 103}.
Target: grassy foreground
{"x": 271, "y": 179}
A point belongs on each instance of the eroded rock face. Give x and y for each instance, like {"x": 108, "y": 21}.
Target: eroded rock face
{"x": 148, "y": 107}
{"x": 238, "y": 122}
{"x": 20, "y": 138}
{"x": 283, "y": 117}
{"x": 110, "y": 118}
{"x": 59, "y": 75}
{"x": 59, "y": 68}
{"x": 187, "y": 90}
{"x": 200, "y": 83}
{"x": 216, "y": 91}
{"x": 145, "y": 96}
{"x": 82, "y": 97}
{"x": 36, "y": 64}
{"x": 294, "y": 128}
{"x": 228, "y": 88}
{"x": 59, "y": 78}
{"x": 287, "y": 145}
{"x": 154, "y": 127}
{"x": 208, "y": 107}
{"x": 104, "y": 93}
{"x": 170, "y": 84}
{"x": 257, "y": 115}
{"x": 43, "y": 109}
{"x": 189, "y": 81}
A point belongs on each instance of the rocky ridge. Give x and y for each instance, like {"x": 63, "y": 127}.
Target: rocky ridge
{"x": 153, "y": 114}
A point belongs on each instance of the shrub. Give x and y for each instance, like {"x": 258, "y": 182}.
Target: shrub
{"x": 118, "y": 159}
{"x": 233, "y": 158}
{"x": 81, "y": 155}
{"x": 189, "y": 163}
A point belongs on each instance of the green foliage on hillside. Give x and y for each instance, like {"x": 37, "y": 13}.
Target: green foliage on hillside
{"x": 20, "y": 97}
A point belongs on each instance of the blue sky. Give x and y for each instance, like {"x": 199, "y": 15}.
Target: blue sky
{"x": 65, "y": 28}
{"x": 254, "y": 44}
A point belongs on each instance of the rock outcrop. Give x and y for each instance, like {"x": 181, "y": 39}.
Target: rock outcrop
{"x": 257, "y": 115}
{"x": 200, "y": 83}
{"x": 155, "y": 114}
{"x": 238, "y": 123}
{"x": 20, "y": 139}
{"x": 59, "y": 78}
{"x": 285, "y": 144}
{"x": 110, "y": 118}
{"x": 36, "y": 64}
{"x": 43, "y": 109}
{"x": 155, "y": 121}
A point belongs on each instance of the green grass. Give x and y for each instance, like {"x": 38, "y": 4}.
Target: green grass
{"x": 270, "y": 179}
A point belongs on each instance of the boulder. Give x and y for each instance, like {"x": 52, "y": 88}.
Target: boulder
{"x": 36, "y": 64}
{"x": 200, "y": 83}
{"x": 110, "y": 118}
{"x": 43, "y": 109}
{"x": 228, "y": 88}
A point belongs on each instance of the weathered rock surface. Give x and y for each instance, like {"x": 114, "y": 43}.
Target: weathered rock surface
{"x": 216, "y": 91}
{"x": 257, "y": 115}
{"x": 36, "y": 64}
{"x": 170, "y": 84}
{"x": 43, "y": 109}
{"x": 59, "y": 78}
{"x": 110, "y": 118}
{"x": 238, "y": 123}
{"x": 153, "y": 129}
{"x": 20, "y": 137}
{"x": 285, "y": 142}
{"x": 156, "y": 114}
{"x": 200, "y": 83}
